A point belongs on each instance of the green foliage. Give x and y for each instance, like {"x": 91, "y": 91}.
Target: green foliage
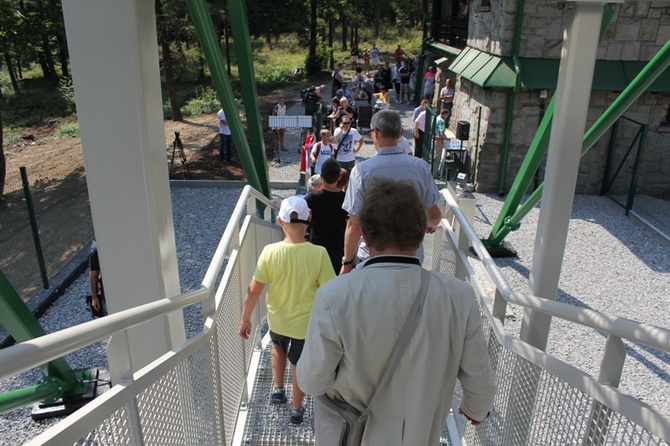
{"x": 205, "y": 101}
{"x": 67, "y": 129}
{"x": 320, "y": 61}
{"x": 38, "y": 102}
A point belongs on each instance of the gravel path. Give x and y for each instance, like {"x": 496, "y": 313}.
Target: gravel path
{"x": 611, "y": 264}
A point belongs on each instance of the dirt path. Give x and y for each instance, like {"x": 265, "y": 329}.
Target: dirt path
{"x": 57, "y": 179}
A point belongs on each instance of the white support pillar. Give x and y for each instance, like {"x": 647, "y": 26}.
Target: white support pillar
{"x": 114, "y": 57}
{"x": 575, "y": 76}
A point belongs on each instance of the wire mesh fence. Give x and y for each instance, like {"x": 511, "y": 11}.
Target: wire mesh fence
{"x": 34, "y": 249}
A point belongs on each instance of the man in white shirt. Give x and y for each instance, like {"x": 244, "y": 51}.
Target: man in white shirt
{"x": 351, "y": 143}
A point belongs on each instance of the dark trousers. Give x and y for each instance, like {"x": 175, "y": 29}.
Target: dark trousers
{"x": 418, "y": 145}
{"x": 225, "y": 148}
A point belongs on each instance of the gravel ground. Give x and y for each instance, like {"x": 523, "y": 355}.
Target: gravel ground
{"x": 609, "y": 259}
{"x": 611, "y": 264}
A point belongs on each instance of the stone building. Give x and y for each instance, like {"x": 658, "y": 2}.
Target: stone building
{"x": 482, "y": 65}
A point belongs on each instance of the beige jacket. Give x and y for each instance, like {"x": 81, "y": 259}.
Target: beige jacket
{"x": 355, "y": 321}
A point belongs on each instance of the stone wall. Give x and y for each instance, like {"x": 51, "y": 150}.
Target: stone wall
{"x": 636, "y": 32}
{"x": 654, "y": 172}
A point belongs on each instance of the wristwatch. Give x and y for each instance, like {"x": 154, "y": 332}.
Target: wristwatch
{"x": 345, "y": 263}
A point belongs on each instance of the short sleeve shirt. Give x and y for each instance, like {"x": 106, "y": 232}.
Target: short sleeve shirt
{"x": 390, "y": 162}
{"x": 346, "y": 152}
{"x": 325, "y": 152}
{"x": 295, "y": 271}
{"x": 224, "y": 129}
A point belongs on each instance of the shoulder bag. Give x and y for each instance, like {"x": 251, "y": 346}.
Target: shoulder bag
{"x": 337, "y": 423}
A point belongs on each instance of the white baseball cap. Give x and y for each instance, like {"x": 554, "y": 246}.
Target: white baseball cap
{"x": 294, "y": 204}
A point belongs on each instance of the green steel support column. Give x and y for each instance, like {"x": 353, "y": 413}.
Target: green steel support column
{"x": 202, "y": 21}
{"x": 654, "y": 68}
{"x": 636, "y": 167}
{"x": 245, "y": 64}
{"x": 20, "y": 322}
{"x": 34, "y": 229}
{"x": 608, "y": 163}
{"x": 502, "y": 176}
{"x": 536, "y": 151}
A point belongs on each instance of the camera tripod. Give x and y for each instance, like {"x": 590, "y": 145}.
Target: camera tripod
{"x": 178, "y": 146}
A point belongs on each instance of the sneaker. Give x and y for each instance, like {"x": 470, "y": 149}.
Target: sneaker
{"x": 278, "y": 395}
{"x": 297, "y": 415}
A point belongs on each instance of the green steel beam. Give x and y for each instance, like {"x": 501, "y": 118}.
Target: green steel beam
{"x": 245, "y": 64}
{"x": 44, "y": 390}
{"x": 656, "y": 66}
{"x": 20, "y": 322}
{"x": 202, "y": 21}
{"x": 536, "y": 151}
{"x": 508, "y": 220}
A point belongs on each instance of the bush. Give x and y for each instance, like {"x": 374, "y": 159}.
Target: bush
{"x": 320, "y": 61}
{"x": 204, "y": 102}
{"x": 67, "y": 129}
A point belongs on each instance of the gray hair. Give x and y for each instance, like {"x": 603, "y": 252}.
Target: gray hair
{"x": 388, "y": 123}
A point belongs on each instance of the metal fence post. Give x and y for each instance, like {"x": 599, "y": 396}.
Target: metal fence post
{"x": 34, "y": 229}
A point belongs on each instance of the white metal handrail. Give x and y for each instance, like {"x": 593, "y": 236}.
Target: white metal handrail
{"x": 35, "y": 352}
{"x": 607, "y": 415}
{"x": 646, "y": 334}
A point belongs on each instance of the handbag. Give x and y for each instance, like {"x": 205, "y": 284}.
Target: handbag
{"x": 337, "y": 423}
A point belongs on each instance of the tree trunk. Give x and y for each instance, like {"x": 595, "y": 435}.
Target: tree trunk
{"x": 344, "y": 32}
{"x": 48, "y": 63}
{"x": 170, "y": 85}
{"x": 169, "y": 81}
{"x": 12, "y": 76}
{"x": 378, "y": 18}
{"x": 3, "y": 162}
{"x": 62, "y": 55}
{"x": 424, "y": 20}
{"x": 331, "y": 29}
{"x": 59, "y": 31}
{"x": 312, "y": 67}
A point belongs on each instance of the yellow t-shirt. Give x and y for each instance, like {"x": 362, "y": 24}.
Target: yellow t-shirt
{"x": 294, "y": 271}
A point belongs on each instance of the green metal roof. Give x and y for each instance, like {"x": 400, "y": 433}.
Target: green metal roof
{"x": 488, "y": 70}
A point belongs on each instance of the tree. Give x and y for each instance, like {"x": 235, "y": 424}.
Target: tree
{"x": 167, "y": 28}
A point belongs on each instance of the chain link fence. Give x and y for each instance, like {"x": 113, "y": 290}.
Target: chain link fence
{"x": 34, "y": 248}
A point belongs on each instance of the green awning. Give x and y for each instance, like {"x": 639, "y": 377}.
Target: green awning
{"x": 490, "y": 71}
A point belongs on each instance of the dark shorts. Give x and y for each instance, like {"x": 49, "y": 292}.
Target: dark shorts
{"x": 292, "y": 348}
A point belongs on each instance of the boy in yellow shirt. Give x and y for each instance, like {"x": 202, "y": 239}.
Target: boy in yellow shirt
{"x": 294, "y": 269}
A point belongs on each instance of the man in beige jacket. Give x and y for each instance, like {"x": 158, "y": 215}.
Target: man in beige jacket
{"x": 356, "y": 319}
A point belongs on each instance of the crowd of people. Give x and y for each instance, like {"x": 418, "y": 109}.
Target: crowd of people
{"x": 337, "y": 299}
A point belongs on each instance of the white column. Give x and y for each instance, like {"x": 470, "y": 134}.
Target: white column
{"x": 575, "y": 76}
{"x": 114, "y": 57}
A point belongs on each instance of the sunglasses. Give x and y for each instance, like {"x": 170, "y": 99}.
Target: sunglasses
{"x": 346, "y": 122}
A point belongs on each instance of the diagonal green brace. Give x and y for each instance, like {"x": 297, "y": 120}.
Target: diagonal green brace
{"x": 245, "y": 64}
{"x": 20, "y": 322}
{"x": 654, "y": 68}
{"x": 511, "y": 214}
{"x": 202, "y": 21}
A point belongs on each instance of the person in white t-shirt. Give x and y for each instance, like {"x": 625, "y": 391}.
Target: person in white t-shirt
{"x": 404, "y": 144}
{"x": 350, "y": 145}
{"x": 321, "y": 151}
{"x": 280, "y": 131}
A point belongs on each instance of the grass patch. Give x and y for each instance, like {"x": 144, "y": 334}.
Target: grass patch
{"x": 67, "y": 129}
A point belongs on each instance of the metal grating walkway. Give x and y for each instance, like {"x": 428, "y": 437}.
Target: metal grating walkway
{"x": 269, "y": 424}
